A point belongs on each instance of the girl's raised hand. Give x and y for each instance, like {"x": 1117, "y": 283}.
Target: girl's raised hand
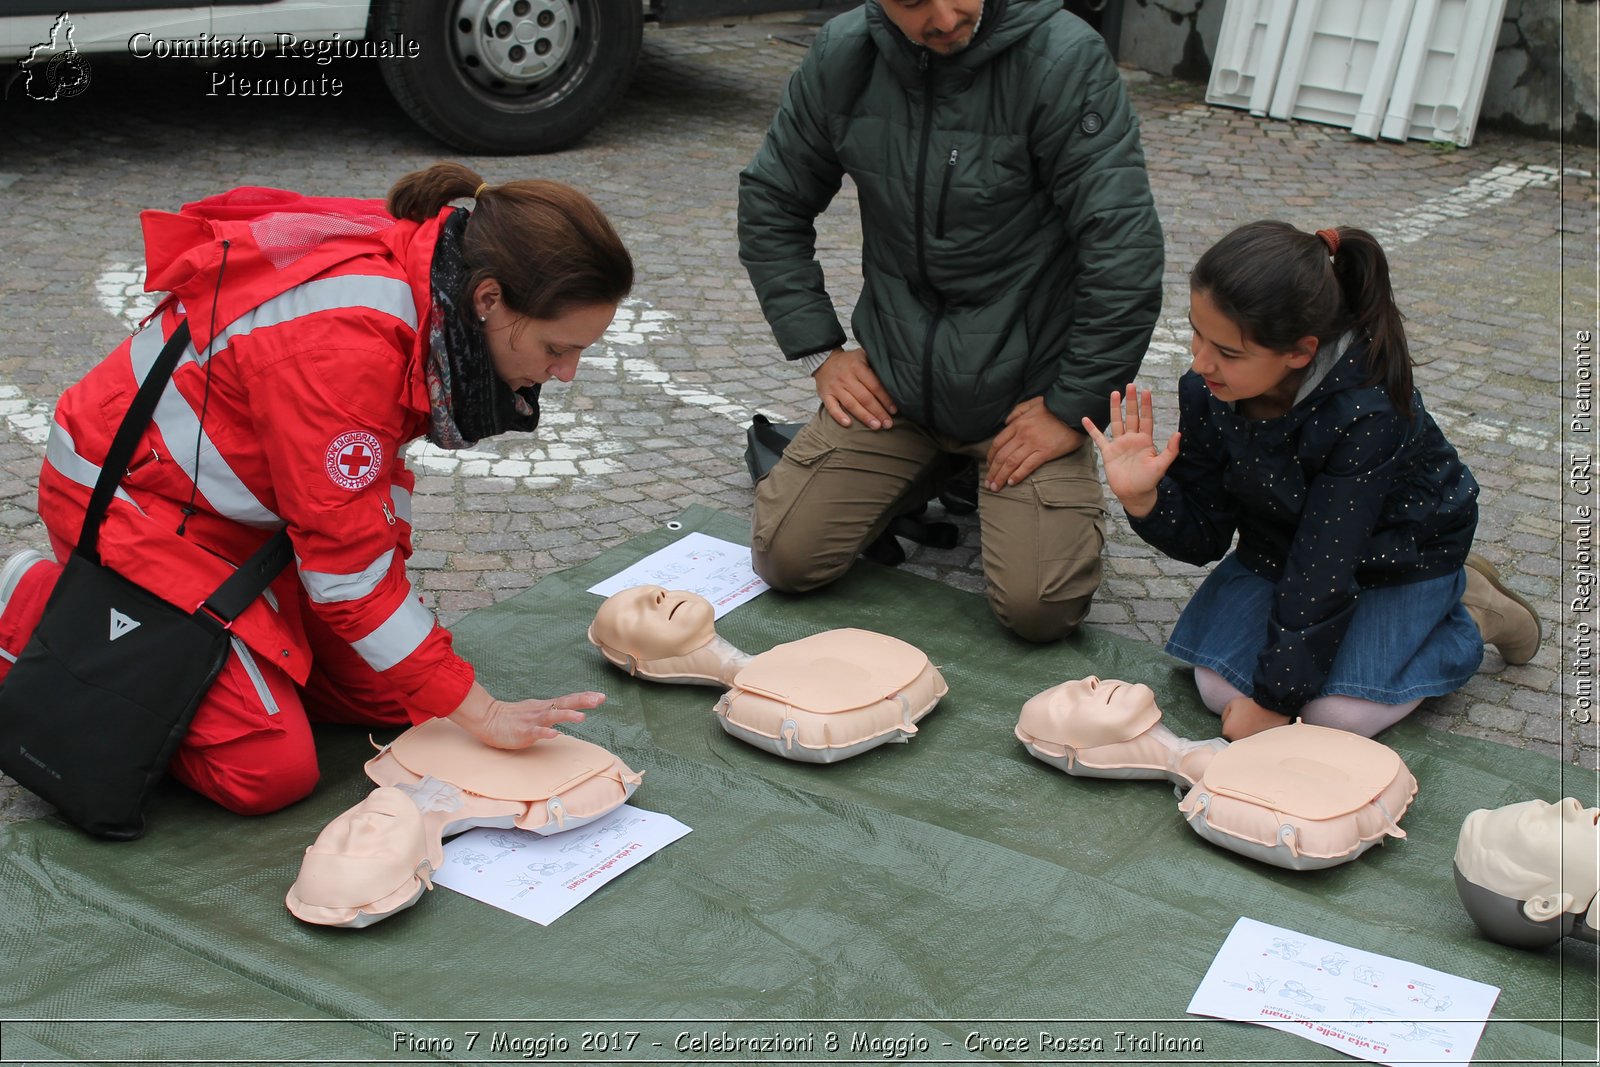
{"x": 1133, "y": 465}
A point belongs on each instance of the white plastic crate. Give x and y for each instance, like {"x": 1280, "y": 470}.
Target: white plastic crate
{"x": 1399, "y": 68}
{"x": 1249, "y": 52}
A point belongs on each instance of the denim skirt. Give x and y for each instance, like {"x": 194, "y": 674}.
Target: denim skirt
{"x": 1405, "y": 641}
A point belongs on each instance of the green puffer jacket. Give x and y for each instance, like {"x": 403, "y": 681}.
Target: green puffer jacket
{"x": 1011, "y": 245}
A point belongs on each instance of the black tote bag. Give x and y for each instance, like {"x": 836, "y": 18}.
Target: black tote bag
{"x": 106, "y": 687}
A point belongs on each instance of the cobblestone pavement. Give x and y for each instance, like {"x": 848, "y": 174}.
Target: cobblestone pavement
{"x": 1493, "y": 250}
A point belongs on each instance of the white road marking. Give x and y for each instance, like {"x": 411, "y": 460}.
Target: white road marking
{"x": 576, "y": 444}
{"x": 1478, "y": 194}
{"x": 568, "y": 444}
{"x": 28, "y": 419}
{"x": 1169, "y": 346}
{"x": 1169, "y": 352}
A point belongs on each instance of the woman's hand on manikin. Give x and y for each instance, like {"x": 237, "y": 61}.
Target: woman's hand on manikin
{"x": 519, "y": 723}
{"x": 1132, "y": 463}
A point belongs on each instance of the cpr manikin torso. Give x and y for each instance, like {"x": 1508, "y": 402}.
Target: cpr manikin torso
{"x": 820, "y": 699}
{"x": 436, "y": 780}
{"x": 1299, "y": 796}
{"x": 1528, "y": 873}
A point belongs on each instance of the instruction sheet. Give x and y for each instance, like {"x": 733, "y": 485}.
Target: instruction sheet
{"x": 542, "y": 878}
{"x": 718, "y": 570}
{"x": 1373, "y": 1007}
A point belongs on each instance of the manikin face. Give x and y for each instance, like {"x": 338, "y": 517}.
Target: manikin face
{"x": 1087, "y": 713}
{"x": 1236, "y": 369}
{"x": 375, "y": 827}
{"x": 1535, "y": 850}
{"x": 943, "y": 26}
{"x": 651, "y": 623}
{"x": 528, "y": 351}
{"x": 364, "y": 854}
{"x": 1091, "y": 695}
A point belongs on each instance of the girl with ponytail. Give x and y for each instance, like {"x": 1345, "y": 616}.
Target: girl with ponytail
{"x": 1352, "y": 593}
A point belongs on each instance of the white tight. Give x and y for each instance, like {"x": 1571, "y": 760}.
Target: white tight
{"x": 1364, "y": 717}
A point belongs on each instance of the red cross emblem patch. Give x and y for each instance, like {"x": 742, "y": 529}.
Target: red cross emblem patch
{"x": 354, "y": 460}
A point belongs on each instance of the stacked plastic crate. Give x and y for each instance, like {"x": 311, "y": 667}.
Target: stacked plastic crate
{"x": 1395, "y": 69}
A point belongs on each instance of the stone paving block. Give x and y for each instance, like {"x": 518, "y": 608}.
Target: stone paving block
{"x": 459, "y": 604}
{"x": 1543, "y": 728}
{"x": 1508, "y": 720}
{"x": 442, "y": 581}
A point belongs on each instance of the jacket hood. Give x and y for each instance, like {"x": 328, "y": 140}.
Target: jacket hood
{"x": 272, "y": 241}
{"x": 1004, "y": 23}
{"x": 1338, "y": 367}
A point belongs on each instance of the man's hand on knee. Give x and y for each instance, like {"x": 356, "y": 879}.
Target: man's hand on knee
{"x": 1032, "y": 438}
{"x": 849, "y": 388}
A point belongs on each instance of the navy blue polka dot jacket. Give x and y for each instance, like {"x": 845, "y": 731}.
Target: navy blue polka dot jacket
{"x": 1339, "y": 494}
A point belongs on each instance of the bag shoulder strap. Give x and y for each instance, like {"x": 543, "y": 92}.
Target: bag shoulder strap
{"x": 256, "y": 573}
{"x": 253, "y": 576}
{"x": 127, "y": 438}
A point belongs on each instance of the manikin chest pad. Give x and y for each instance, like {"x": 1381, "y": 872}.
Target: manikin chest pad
{"x": 434, "y": 781}
{"x": 1300, "y": 796}
{"x": 820, "y": 699}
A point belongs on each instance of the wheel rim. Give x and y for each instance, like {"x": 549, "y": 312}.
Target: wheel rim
{"x": 516, "y": 48}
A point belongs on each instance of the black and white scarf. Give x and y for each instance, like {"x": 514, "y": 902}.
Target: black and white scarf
{"x": 467, "y": 401}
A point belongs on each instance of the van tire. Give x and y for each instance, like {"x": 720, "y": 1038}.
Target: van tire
{"x": 469, "y": 85}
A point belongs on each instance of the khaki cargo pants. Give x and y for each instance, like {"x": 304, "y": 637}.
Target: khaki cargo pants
{"x": 837, "y": 488}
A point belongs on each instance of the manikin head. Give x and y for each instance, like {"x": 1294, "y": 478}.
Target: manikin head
{"x": 1528, "y": 873}
{"x": 374, "y": 858}
{"x": 648, "y": 623}
{"x": 1088, "y": 713}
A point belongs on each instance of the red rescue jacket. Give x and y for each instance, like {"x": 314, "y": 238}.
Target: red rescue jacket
{"x": 311, "y": 316}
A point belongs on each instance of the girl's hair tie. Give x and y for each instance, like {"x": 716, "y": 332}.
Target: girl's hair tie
{"x": 477, "y": 194}
{"x": 1331, "y": 239}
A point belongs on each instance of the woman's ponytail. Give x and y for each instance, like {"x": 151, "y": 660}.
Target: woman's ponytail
{"x": 419, "y": 195}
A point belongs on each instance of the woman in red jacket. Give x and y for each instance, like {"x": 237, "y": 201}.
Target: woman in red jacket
{"x": 326, "y": 334}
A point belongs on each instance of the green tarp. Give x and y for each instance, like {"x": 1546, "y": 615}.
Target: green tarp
{"x": 909, "y": 903}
